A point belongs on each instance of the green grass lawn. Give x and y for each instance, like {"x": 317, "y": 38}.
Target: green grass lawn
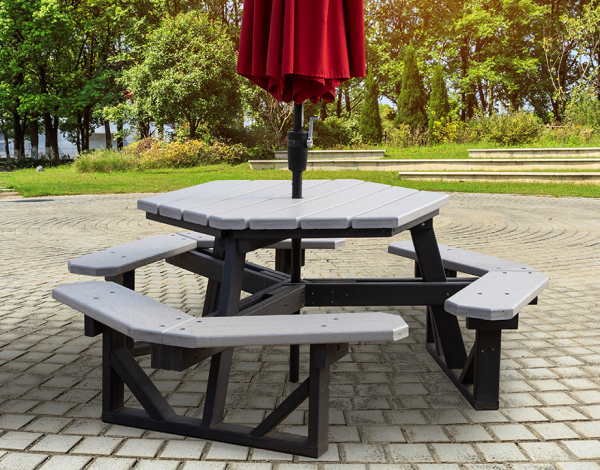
{"x": 64, "y": 181}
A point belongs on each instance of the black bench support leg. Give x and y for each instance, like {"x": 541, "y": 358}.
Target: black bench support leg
{"x": 113, "y": 387}
{"x": 289, "y": 262}
{"x": 486, "y": 369}
{"x": 229, "y": 304}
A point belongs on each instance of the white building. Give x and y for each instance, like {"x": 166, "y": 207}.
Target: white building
{"x": 66, "y": 148}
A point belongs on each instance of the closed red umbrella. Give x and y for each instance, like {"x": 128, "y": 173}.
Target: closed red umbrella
{"x": 299, "y": 50}
{"x": 302, "y": 49}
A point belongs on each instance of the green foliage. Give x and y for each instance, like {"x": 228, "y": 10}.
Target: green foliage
{"x": 188, "y": 74}
{"x": 370, "y": 121}
{"x": 509, "y": 129}
{"x": 151, "y": 154}
{"x": 336, "y": 132}
{"x": 586, "y": 113}
{"x": 411, "y": 100}
{"x": 439, "y": 107}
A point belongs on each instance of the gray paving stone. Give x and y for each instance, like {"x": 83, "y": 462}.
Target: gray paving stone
{"x": 143, "y": 448}
{"x": 56, "y": 443}
{"x": 104, "y": 463}
{"x": 584, "y": 449}
{"x": 22, "y": 461}
{"x": 65, "y": 462}
{"x": 183, "y": 450}
{"x": 97, "y": 446}
{"x": 17, "y": 440}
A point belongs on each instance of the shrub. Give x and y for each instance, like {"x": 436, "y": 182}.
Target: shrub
{"x": 336, "y": 132}
{"x": 105, "y": 161}
{"x": 370, "y": 120}
{"x": 154, "y": 154}
{"x": 447, "y": 130}
{"x": 439, "y": 107}
{"x": 509, "y": 129}
{"x": 411, "y": 100}
{"x": 586, "y": 113}
{"x": 404, "y": 136}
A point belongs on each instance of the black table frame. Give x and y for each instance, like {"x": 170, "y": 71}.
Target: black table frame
{"x": 280, "y": 292}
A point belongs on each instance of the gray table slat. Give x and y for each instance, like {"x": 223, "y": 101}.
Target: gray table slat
{"x": 239, "y": 219}
{"x": 340, "y": 217}
{"x": 243, "y": 190}
{"x": 290, "y": 217}
{"x": 200, "y": 213}
{"x": 401, "y": 212}
{"x": 151, "y": 204}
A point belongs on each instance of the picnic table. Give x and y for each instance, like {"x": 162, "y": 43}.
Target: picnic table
{"x": 244, "y": 216}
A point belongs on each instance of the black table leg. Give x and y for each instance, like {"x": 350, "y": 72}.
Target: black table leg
{"x": 213, "y": 287}
{"x": 441, "y": 326}
{"x": 296, "y": 272}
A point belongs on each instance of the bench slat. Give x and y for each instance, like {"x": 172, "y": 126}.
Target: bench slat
{"x": 130, "y": 256}
{"x": 460, "y": 260}
{"x": 122, "y": 309}
{"x": 144, "y": 319}
{"x": 497, "y": 295}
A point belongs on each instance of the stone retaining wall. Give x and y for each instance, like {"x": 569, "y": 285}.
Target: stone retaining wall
{"x": 581, "y": 152}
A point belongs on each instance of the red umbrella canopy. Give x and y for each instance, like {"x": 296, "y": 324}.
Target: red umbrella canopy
{"x": 302, "y": 49}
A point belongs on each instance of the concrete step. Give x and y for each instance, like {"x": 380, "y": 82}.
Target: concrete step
{"x": 513, "y": 177}
{"x": 335, "y": 154}
{"x": 440, "y": 165}
{"x": 573, "y": 152}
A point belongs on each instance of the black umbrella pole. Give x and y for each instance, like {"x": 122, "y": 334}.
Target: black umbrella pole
{"x": 297, "y": 150}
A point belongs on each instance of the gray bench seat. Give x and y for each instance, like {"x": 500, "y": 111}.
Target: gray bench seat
{"x": 463, "y": 261}
{"x": 145, "y": 319}
{"x": 130, "y": 256}
{"x": 497, "y": 295}
{"x": 503, "y": 289}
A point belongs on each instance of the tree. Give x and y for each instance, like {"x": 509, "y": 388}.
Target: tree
{"x": 188, "y": 75}
{"x": 370, "y": 120}
{"x": 411, "y": 101}
{"x": 438, "y": 99}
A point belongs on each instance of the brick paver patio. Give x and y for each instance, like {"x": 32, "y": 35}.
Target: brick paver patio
{"x": 392, "y": 408}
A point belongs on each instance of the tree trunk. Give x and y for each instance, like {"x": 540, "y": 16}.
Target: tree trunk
{"x": 51, "y": 131}
{"x": 85, "y": 129}
{"x": 119, "y": 138}
{"x": 348, "y": 105}
{"x": 338, "y": 109}
{"x": 323, "y": 111}
{"x": 6, "y": 144}
{"x": 19, "y": 139}
{"x": 144, "y": 129}
{"x": 107, "y": 135}
{"x": 34, "y": 130}
{"x": 193, "y": 126}
{"x": 78, "y": 133}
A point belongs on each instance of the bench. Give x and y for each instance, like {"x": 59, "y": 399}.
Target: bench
{"x": 118, "y": 262}
{"x": 124, "y": 313}
{"x": 490, "y": 304}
